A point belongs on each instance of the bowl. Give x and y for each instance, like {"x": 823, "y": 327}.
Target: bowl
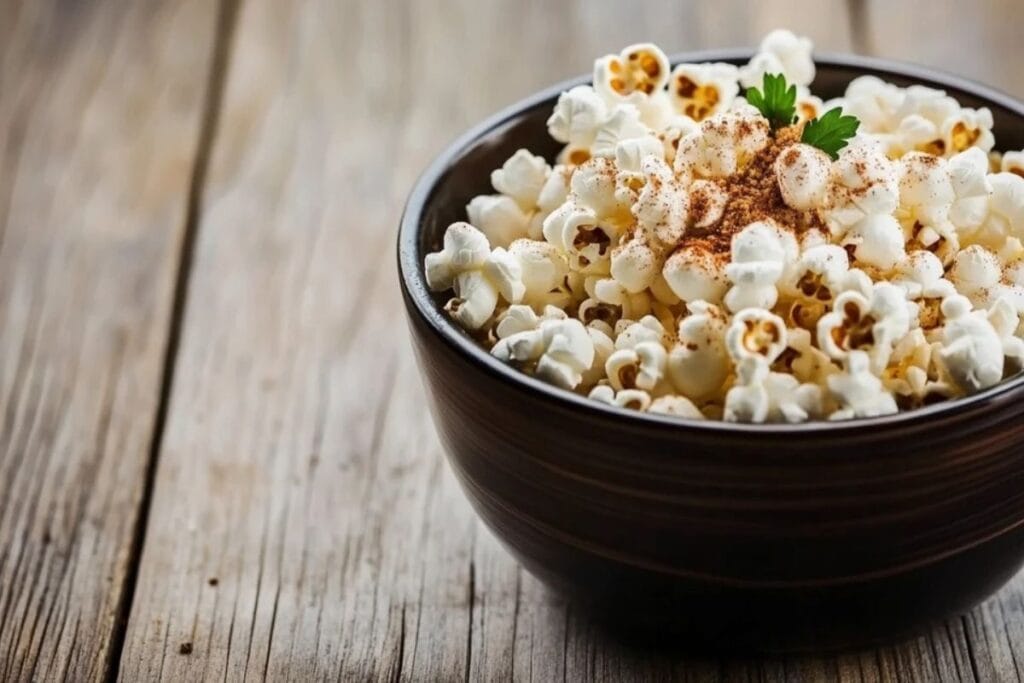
{"x": 754, "y": 537}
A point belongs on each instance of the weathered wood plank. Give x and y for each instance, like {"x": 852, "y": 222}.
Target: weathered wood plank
{"x": 299, "y": 469}
{"x": 101, "y": 106}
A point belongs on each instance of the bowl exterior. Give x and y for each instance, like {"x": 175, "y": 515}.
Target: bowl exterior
{"x": 766, "y": 539}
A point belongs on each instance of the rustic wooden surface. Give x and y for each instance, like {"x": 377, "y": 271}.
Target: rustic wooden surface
{"x": 214, "y": 456}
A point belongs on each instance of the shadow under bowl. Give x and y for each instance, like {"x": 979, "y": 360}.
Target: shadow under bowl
{"x": 733, "y": 537}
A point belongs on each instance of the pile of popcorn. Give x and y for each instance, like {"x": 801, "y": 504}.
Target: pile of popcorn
{"x": 682, "y": 257}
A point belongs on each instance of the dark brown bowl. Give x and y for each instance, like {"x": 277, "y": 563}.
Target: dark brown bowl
{"x": 820, "y": 535}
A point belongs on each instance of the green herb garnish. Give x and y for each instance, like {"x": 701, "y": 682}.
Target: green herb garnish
{"x": 831, "y": 132}
{"x": 775, "y": 100}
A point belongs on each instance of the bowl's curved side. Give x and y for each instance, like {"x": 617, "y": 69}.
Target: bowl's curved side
{"x": 831, "y": 534}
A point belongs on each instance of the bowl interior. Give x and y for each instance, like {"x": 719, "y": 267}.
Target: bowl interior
{"x": 463, "y": 171}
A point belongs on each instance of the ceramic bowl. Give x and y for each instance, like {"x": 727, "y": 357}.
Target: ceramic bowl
{"x": 779, "y": 537}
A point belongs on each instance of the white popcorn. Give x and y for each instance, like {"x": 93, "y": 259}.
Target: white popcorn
{"x": 498, "y": 217}
{"x": 682, "y": 258}
{"x": 578, "y": 115}
{"x": 968, "y": 172}
{"x": 543, "y": 270}
{"x": 701, "y": 90}
{"x": 693, "y": 273}
{"x": 781, "y": 52}
{"x": 699, "y": 363}
{"x": 632, "y": 75}
{"x": 760, "y": 254}
{"x": 972, "y": 351}
{"x": 858, "y": 391}
{"x": 561, "y": 348}
{"x": 679, "y": 406}
{"x": 1012, "y": 162}
{"x": 864, "y": 183}
{"x": 661, "y": 208}
{"x": 522, "y": 177}
{"x": 968, "y": 128}
{"x": 635, "y": 264}
{"x": 724, "y": 144}
{"x": 465, "y": 249}
{"x": 634, "y": 399}
{"x": 622, "y": 124}
{"x": 878, "y": 241}
{"x": 976, "y": 272}
{"x": 803, "y": 173}
{"x": 872, "y": 324}
{"x": 755, "y": 333}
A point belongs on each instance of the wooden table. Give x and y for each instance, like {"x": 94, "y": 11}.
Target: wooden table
{"x": 215, "y": 459}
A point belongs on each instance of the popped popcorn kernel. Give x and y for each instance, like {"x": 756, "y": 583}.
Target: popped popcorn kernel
{"x": 689, "y": 254}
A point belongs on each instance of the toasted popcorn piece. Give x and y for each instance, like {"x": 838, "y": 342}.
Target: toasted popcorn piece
{"x": 647, "y": 329}
{"x": 632, "y": 75}
{"x": 694, "y": 273}
{"x": 562, "y": 349}
{"x": 475, "y": 300}
{"x": 878, "y": 241}
{"x": 700, "y": 90}
{"x": 913, "y": 373}
{"x": 968, "y": 128}
{"x": 926, "y": 189}
{"x": 640, "y": 367}
{"x": 760, "y": 254}
{"x": 675, "y": 129}
{"x": 748, "y": 399}
{"x": 972, "y": 350}
{"x": 1004, "y": 316}
{"x": 623, "y": 123}
{"x": 634, "y": 399}
{"x": 781, "y": 51}
{"x": 578, "y": 115}
{"x": 499, "y": 217}
{"x": 724, "y": 144}
{"x": 921, "y": 275}
{"x": 679, "y": 406}
{"x": 864, "y": 183}
{"x": 803, "y": 174}
{"x": 976, "y": 272}
{"x": 707, "y": 203}
{"x": 631, "y": 306}
{"x": 858, "y": 391}
{"x": 804, "y": 360}
{"x": 577, "y": 232}
{"x": 698, "y": 364}
{"x": 504, "y": 271}
{"x": 871, "y": 324}
{"x": 968, "y": 172}
{"x": 758, "y": 333}
{"x": 631, "y": 153}
{"x": 604, "y": 347}
{"x": 1012, "y": 162}
{"x": 521, "y": 318}
{"x": 809, "y": 107}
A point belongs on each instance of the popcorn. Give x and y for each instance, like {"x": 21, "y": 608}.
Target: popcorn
{"x": 870, "y": 324}
{"x": 636, "y": 72}
{"x": 781, "y": 52}
{"x": 698, "y": 364}
{"x": 724, "y": 144}
{"x": 803, "y": 175}
{"x": 700, "y": 90}
{"x": 578, "y": 115}
{"x": 972, "y": 351}
{"x": 760, "y": 254}
{"x": 498, "y": 217}
{"x": 858, "y": 391}
{"x": 634, "y": 399}
{"x": 680, "y": 406}
{"x": 684, "y": 256}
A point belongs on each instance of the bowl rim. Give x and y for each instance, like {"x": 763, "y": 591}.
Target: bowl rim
{"x": 418, "y": 297}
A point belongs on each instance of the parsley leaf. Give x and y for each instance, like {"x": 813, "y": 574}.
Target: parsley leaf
{"x": 775, "y": 100}
{"x": 831, "y": 132}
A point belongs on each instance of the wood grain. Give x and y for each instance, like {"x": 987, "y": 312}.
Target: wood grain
{"x": 303, "y": 523}
{"x": 95, "y": 168}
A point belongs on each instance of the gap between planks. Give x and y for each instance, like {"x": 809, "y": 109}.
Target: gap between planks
{"x": 227, "y": 15}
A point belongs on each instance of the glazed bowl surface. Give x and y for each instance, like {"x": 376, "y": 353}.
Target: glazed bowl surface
{"x": 757, "y": 537}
